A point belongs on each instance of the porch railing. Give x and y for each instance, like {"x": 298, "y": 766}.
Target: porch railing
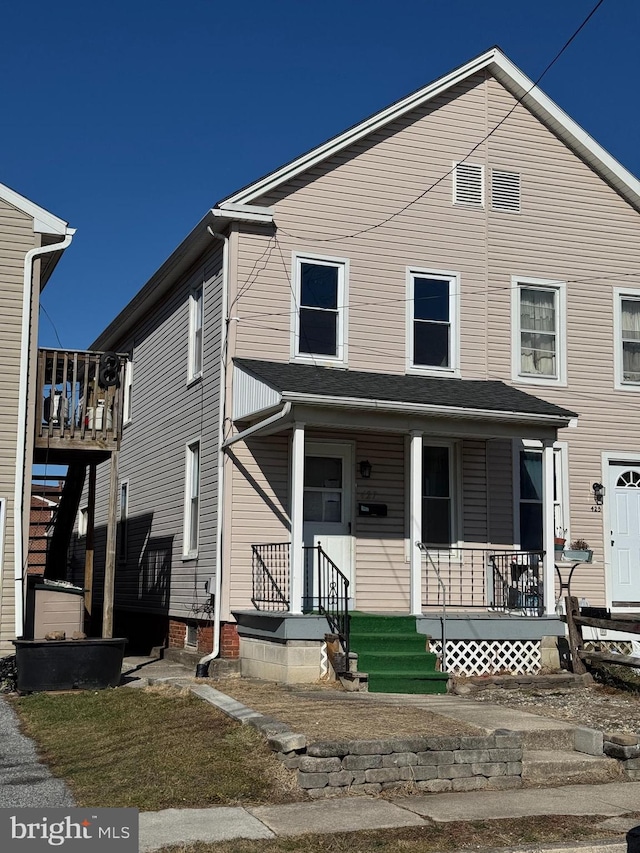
{"x": 327, "y": 590}
{"x": 79, "y": 398}
{"x": 270, "y": 574}
{"x": 503, "y": 580}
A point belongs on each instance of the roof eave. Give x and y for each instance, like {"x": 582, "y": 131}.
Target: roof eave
{"x": 43, "y": 221}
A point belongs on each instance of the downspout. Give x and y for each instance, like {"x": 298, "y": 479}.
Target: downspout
{"x": 202, "y": 667}
{"x": 25, "y": 348}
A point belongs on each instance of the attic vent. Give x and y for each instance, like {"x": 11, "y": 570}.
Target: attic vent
{"x": 505, "y": 191}
{"x": 468, "y": 184}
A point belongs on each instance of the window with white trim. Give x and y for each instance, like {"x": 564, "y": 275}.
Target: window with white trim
{"x": 468, "y": 184}
{"x": 195, "y": 333}
{"x": 319, "y": 331}
{"x": 123, "y": 521}
{"x": 192, "y": 500}
{"x": 128, "y": 391}
{"x": 438, "y": 516}
{"x": 627, "y": 331}
{"x": 432, "y": 321}
{"x": 530, "y": 496}
{"x": 83, "y": 520}
{"x": 538, "y": 316}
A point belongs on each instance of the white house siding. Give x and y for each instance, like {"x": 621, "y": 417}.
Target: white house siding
{"x": 167, "y": 414}
{"x": 16, "y": 239}
{"x": 572, "y": 227}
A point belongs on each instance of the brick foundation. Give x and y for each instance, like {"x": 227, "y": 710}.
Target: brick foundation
{"x": 177, "y": 634}
{"x": 229, "y": 640}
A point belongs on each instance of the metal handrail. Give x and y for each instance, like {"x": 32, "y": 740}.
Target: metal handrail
{"x": 425, "y": 551}
{"x": 268, "y": 593}
{"x": 332, "y": 598}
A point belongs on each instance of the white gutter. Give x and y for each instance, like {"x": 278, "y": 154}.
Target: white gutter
{"x": 272, "y": 419}
{"x": 419, "y": 408}
{"x": 25, "y": 348}
{"x": 203, "y": 664}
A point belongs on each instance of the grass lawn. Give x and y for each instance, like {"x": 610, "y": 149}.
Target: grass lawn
{"x": 151, "y": 749}
{"x": 432, "y": 838}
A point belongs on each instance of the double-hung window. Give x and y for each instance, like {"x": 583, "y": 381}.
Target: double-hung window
{"x": 530, "y": 494}
{"x": 538, "y": 320}
{"x": 432, "y": 320}
{"x": 195, "y": 333}
{"x": 192, "y": 500}
{"x": 627, "y": 344}
{"x": 320, "y": 312}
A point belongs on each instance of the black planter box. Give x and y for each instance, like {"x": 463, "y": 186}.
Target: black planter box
{"x": 90, "y": 664}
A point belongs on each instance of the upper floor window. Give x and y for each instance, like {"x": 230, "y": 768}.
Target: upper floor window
{"x": 432, "y": 321}
{"x": 192, "y": 500}
{"x": 468, "y": 184}
{"x": 319, "y": 328}
{"x": 538, "y": 315}
{"x": 195, "y": 333}
{"x": 627, "y": 344}
{"x": 128, "y": 390}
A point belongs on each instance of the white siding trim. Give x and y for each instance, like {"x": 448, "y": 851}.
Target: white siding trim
{"x": 560, "y": 288}
{"x": 619, "y": 293}
{"x": 196, "y": 347}
{"x": 454, "y": 321}
{"x": 342, "y": 264}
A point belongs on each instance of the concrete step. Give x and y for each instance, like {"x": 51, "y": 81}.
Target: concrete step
{"x": 549, "y": 738}
{"x": 555, "y": 767}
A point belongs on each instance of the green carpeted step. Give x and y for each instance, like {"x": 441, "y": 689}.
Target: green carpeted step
{"x": 374, "y": 623}
{"x": 390, "y": 642}
{"x": 402, "y": 682}
{"x": 410, "y": 662}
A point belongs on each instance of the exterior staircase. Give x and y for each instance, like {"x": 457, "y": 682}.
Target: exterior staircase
{"x": 394, "y": 654}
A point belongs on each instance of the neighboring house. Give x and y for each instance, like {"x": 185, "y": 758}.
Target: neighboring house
{"x": 31, "y": 243}
{"x": 418, "y": 345}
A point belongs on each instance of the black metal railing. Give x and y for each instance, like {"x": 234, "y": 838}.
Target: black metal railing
{"x": 326, "y": 590}
{"x": 270, "y": 573}
{"x": 506, "y": 580}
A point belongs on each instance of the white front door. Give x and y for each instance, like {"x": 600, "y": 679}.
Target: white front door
{"x": 624, "y": 491}
{"x": 328, "y": 508}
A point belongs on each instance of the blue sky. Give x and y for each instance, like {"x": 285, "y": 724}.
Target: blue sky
{"x": 130, "y": 118}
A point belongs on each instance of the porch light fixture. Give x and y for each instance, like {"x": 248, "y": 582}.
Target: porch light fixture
{"x": 365, "y": 469}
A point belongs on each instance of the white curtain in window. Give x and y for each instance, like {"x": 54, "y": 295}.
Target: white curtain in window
{"x": 538, "y": 331}
{"x": 631, "y": 339}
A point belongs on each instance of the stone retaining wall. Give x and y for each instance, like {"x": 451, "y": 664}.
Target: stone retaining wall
{"x": 626, "y": 748}
{"x": 435, "y": 764}
{"x": 550, "y": 681}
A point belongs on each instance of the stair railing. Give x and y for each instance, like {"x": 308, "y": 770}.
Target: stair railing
{"x": 430, "y": 562}
{"x": 270, "y": 576}
{"x": 328, "y": 592}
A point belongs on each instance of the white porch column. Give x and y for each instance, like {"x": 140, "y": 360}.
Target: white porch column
{"x": 415, "y": 524}
{"x": 548, "y": 528}
{"x": 296, "y": 562}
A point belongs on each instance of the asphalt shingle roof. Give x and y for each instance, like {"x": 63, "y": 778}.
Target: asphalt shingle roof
{"x": 491, "y": 395}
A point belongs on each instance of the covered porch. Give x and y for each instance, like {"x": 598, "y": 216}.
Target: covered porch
{"x": 401, "y": 499}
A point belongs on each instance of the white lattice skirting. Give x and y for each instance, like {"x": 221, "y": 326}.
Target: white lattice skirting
{"x": 620, "y": 647}
{"x": 489, "y": 657}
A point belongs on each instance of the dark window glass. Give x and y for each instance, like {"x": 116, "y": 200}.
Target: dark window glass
{"x": 431, "y": 299}
{"x": 530, "y": 476}
{"x": 323, "y": 472}
{"x": 436, "y": 497}
{"x": 319, "y": 286}
{"x": 431, "y": 344}
{"x": 531, "y": 526}
{"x": 318, "y": 331}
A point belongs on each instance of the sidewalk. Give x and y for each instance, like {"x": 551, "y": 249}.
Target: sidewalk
{"x": 596, "y": 802}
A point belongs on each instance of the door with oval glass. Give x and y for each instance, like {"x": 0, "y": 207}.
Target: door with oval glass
{"x": 624, "y": 488}
{"x": 328, "y": 508}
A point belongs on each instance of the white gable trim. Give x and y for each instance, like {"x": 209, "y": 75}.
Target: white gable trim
{"x": 506, "y": 73}
{"x": 43, "y": 221}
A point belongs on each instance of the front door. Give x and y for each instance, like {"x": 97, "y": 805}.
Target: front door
{"x": 624, "y": 489}
{"x": 328, "y": 475}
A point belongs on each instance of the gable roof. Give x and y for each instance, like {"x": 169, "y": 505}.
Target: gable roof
{"x": 521, "y": 87}
{"x": 475, "y": 397}
{"x": 43, "y": 221}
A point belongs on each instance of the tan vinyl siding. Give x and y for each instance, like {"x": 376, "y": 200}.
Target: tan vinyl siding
{"x": 16, "y": 239}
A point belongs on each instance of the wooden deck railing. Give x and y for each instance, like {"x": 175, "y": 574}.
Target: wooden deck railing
{"x": 79, "y": 399}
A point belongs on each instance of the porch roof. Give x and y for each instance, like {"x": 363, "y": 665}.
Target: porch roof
{"x": 264, "y": 384}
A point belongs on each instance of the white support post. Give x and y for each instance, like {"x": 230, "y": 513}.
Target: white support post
{"x": 415, "y": 524}
{"x": 296, "y": 562}
{"x": 548, "y": 527}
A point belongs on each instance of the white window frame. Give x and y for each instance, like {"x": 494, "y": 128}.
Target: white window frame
{"x": 191, "y": 495}
{"x": 465, "y": 204}
{"x": 128, "y": 391}
{"x": 562, "y": 525}
{"x": 453, "y": 278}
{"x": 196, "y": 334}
{"x": 620, "y": 293}
{"x": 560, "y": 289}
{"x": 455, "y": 489}
{"x": 123, "y": 520}
{"x": 83, "y": 520}
{"x": 342, "y": 264}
